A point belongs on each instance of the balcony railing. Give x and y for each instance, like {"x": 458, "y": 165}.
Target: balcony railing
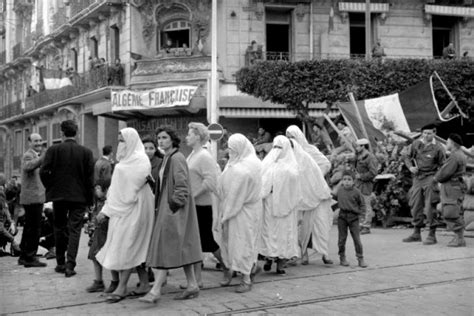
{"x": 59, "y": 18}
{"x": 10, "y": 110}
{"x": 17, "y": 51}
{"x": 79, "y": 5}
{"x": 81, "y": 83}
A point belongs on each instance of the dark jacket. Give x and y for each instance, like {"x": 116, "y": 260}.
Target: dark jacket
{"x": 102, "y": 170}
{"x": 67, "y": 173}
{"x": 366, "y": 166}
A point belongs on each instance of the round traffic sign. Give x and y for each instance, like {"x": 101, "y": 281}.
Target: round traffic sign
{"x": 216, "y": 131}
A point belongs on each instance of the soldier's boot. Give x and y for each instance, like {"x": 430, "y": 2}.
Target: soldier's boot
{"x": 431, "y": 239}
{"x": 416, "y": 236}
{"x": 343, "y": 261}
{"x": 458, "y": 240}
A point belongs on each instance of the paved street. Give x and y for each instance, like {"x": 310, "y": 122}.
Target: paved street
{"x": 402, "y": 279}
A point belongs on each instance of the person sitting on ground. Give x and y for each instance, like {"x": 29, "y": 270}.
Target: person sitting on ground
{"x": 7, "y": 226}
{"x": 99, "y": 236}
{"x": 47, "y": 232}
{"x": 351, "y": 206}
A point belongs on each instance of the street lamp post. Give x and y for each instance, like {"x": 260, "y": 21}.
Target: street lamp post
{"x": 368, "y": 31}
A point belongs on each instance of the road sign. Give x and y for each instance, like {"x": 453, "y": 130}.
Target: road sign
{"x": 216, "y": 131}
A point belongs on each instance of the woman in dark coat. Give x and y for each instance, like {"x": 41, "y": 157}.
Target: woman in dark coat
{"x": 151, "y": 149}
{"x": 175, "y": 240}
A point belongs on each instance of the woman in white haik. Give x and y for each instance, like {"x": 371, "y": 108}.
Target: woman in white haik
{"x": 130, "y": 207}
{"x": 281, "y": 197}
{"x": 240, "y": 207}
{"x": 317, "y": 215}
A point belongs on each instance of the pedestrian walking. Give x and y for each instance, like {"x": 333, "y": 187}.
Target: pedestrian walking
{"x": 203, "y": 172}
{"x": 240, "y": 206}
{"x": 32, "y": 197}
{"x": 316, "y": 215}
{"x": 366, "y": 167}
{"x": 104, "y": 165}
{"x": 175, "y": 239}
{"x": 281, "y": 195}
{"x": 351, "y": 206}
{"x": 424, "y": 158}
{"x": 129, "y": 207}
{"x": 67, "y": 173}
{"x": 452, "y": 189}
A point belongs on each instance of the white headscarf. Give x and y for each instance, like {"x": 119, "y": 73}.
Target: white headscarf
{"x": 242, "y": 147}
{"x": 314, "y": 188}
{"x": 280, "y": 178}
{"x": 296, "y": 133}
{"x": 129, "y": 174}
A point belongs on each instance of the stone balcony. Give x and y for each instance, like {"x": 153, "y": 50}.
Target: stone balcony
{"x": 9, "y": 110}
{"x": 81, "y": 84}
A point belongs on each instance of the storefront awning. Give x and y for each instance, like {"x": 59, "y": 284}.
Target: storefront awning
{"x": 360, "y": 7}
{"x": 450, "y": 10}
{"x": 245, "y": 106}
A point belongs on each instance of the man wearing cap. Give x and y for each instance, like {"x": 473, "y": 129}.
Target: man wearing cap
{"x": 366, "y": 166}
{"x": 425, "y": 157}
{"x": 452, "y": 191}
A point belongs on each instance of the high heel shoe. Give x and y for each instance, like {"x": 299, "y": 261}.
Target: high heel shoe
{"x": 150, "y": 298}
{"x": 227, "y": 278}
{"x": 187, "y": 294}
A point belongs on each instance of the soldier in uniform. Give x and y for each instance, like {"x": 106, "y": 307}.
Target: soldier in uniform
{"x": 452, "y": 189}
{"x": 425, "y": 157}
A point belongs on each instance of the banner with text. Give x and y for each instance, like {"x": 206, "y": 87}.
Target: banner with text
{"x": 125, "y": 100}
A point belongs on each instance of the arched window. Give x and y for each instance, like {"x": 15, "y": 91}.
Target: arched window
{"x": 175, "y": 34}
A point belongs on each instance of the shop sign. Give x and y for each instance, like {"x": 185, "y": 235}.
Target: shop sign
{"x": 126, "y": 100}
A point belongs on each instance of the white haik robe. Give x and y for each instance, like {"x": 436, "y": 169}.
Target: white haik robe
{"x": 130, "y": 207}
{"x": 281, "y": 197}
{"x": 317, "y": 215}
{"x": 240, "y": 205}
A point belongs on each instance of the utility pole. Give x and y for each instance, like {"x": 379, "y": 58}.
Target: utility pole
{"x": 368, "y": 31}
{"x": 213, "y": 111}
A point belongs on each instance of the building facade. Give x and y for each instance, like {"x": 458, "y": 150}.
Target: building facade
{"x": 156, "y": 58}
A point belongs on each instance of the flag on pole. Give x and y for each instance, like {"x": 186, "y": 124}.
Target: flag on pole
{"x": 405, "y": 111}
{"x": 331, "y": 19}
{"x": 53, "y": 79}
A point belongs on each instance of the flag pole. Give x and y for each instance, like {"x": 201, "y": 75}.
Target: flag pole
{"x": 335, "y": 128}
{"x": 359, "y": 118}
{"x": 450, "y": 95}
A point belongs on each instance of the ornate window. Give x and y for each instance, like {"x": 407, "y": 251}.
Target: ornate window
{"x": 175, "y": 34}
{"x": 174, "y": 28}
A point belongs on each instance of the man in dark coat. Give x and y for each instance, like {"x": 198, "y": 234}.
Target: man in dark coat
{"x": 68, "y": 174}
{"x": 104, "y": 165}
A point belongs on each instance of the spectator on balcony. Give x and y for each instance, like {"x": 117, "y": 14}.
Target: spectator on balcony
{"x": 449, "y": 52}
{"x": 253, "y": 53}
{"x": 30, "y": 91}
{"x": 100, "y": 63}
{"x": 377, "y": 50}
{"x": 116, "y": 73}
{"x": 168, "y": 46}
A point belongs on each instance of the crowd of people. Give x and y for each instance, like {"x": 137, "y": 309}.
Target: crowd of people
{"x": 155, "y": 209}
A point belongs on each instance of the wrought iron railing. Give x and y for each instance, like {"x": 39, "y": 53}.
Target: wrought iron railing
{"x": 10, "y": 110}
{"x": 3, "y": 57}
{"x": 59, "y": 18}
{"x": 81, "y": 83}
{"x": 79, "y": 5}
{"x": 17, "y": 51}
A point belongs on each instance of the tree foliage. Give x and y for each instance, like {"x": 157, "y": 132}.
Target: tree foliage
{"x": 296, "y": 84}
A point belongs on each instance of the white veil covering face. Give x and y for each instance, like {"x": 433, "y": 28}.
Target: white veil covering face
{"x": 314, "y": 188}
{"x": 129, "y": 174}
{"x": 296, "y": 133}
{"x": 280, "y": 178}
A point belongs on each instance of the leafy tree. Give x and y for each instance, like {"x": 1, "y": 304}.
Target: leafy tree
{"x": 297, "y": 84}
